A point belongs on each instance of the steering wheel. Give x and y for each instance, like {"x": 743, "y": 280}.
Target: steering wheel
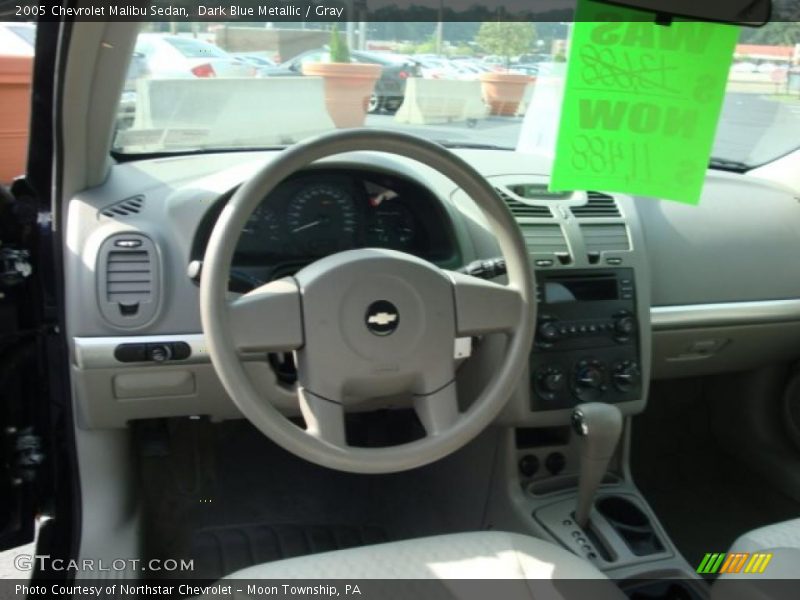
{"x": 367, "y": 323}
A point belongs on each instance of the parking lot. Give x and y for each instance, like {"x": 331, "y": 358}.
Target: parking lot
{"x": 745, "y": 118}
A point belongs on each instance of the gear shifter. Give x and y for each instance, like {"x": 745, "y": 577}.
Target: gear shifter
{"x": 598, "y": 427}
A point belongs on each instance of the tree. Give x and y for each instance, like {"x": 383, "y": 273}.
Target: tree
{"x": 505, "y": 38}
{"x": 340, "y": 52}
{"x": 778, "y": 33}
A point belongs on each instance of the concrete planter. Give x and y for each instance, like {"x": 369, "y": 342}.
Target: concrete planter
{"x": 187, "y": 112}
{"x": 431, "y": 101}
{"x": 15, "y": 98}
{"x": 503, "y": 91}
{"x": 348, "y": 87}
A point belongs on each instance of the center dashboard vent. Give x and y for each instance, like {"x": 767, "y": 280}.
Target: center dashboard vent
{"x": 128, "y": 279}
{"x": 523, "y": 209}
{"x": 545, "y": 239}
{"x": 597, "y": 206}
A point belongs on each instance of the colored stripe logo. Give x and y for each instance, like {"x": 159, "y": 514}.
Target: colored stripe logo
{"x": 734, "y": 562}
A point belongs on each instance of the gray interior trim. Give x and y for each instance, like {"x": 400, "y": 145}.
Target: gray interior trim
{"x": 724, "y": 314}
{"x": 98, "y": 352}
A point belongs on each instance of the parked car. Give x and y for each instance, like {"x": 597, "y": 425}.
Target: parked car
{"x": 137, "y": 69}
{"x": 261, "y": 63}
{"x": 527, "y": 59}
{"x": 526, "y": 69}
{"x": 168, "y": 56}
{"x": 766, "y": 67}
{"x": 435, "y": 67}
{"x": 743, "y": 67}
{"x": 389, "y": 89}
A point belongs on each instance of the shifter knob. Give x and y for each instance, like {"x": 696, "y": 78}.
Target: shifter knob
{"x": 598, "y": 427}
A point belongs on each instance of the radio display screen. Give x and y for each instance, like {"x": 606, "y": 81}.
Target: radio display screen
{"x": 580, "y": 290}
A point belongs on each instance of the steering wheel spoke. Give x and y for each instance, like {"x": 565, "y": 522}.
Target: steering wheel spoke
{"x": 324, "y": 418}
{"x": 268, "y": 318}
{"x": 438, "y": 411}
{"x": 485, "y": 307}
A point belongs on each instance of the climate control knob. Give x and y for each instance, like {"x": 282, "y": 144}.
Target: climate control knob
{"x": 549, "y": 381}
{"x": 626, "y": 375}
{"x": 589, "y": 380}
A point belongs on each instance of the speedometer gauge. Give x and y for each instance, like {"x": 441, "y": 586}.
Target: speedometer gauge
{"x": 322, "y": 218}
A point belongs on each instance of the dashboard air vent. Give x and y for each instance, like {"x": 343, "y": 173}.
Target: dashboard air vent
{"x": 129, "y": 276}
{"x": 128, "y": 279}
{"x": 604, "y": 238}
{"x": 598, "y": 205}
{"x": 544, "y": 239}
{"x": 124, "y": 208}
{"x": 522, "y": 209}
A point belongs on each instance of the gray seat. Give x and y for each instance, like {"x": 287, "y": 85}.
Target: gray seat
{"x": 779, "y": 578}
{"x": 531, "y": 568}
{"x": 785, "y": 534}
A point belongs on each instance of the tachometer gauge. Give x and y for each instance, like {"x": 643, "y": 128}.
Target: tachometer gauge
{"x": 262, "y": 227}
{"x": 391, "y": 225}
{"x": 322, "y": 218}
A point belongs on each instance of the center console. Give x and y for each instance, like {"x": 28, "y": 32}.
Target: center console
{"x": 587, "y": 339}
{"x": 591, "y": 351}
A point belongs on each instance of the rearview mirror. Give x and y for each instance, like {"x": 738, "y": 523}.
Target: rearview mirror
{"x": 754, "y": 13}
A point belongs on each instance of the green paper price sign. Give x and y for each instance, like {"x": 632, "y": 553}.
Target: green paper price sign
{"x": 641, "y": 103}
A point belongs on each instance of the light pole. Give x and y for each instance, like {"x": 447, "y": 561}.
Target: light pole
{"x": 440, "y": 28}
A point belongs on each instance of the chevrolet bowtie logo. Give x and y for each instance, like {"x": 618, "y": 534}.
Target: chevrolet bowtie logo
{"x": 382, "y": 318}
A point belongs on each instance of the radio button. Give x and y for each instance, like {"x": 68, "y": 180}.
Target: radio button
{"x": 625, "y": 326}
{"x": 549, "y": 331}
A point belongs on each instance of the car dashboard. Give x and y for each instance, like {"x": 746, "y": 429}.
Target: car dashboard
{"x": 323, "y": 211}
{"x": 628, "y": 289}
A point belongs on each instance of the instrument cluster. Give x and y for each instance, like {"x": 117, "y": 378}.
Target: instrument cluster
{"x": 330, "y": 215}
{"x": 320, "y": 212}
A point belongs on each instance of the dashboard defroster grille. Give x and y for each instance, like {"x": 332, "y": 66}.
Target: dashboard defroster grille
{"x": 124, "y": 208}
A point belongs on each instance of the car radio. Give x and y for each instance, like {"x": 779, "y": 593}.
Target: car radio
{"x": 587, "y": 338}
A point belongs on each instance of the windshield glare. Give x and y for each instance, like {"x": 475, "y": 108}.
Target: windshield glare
{"x": 207, "y": 86}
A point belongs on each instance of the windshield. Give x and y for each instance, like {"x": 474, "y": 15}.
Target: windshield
{"x": 198, "y": 87}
